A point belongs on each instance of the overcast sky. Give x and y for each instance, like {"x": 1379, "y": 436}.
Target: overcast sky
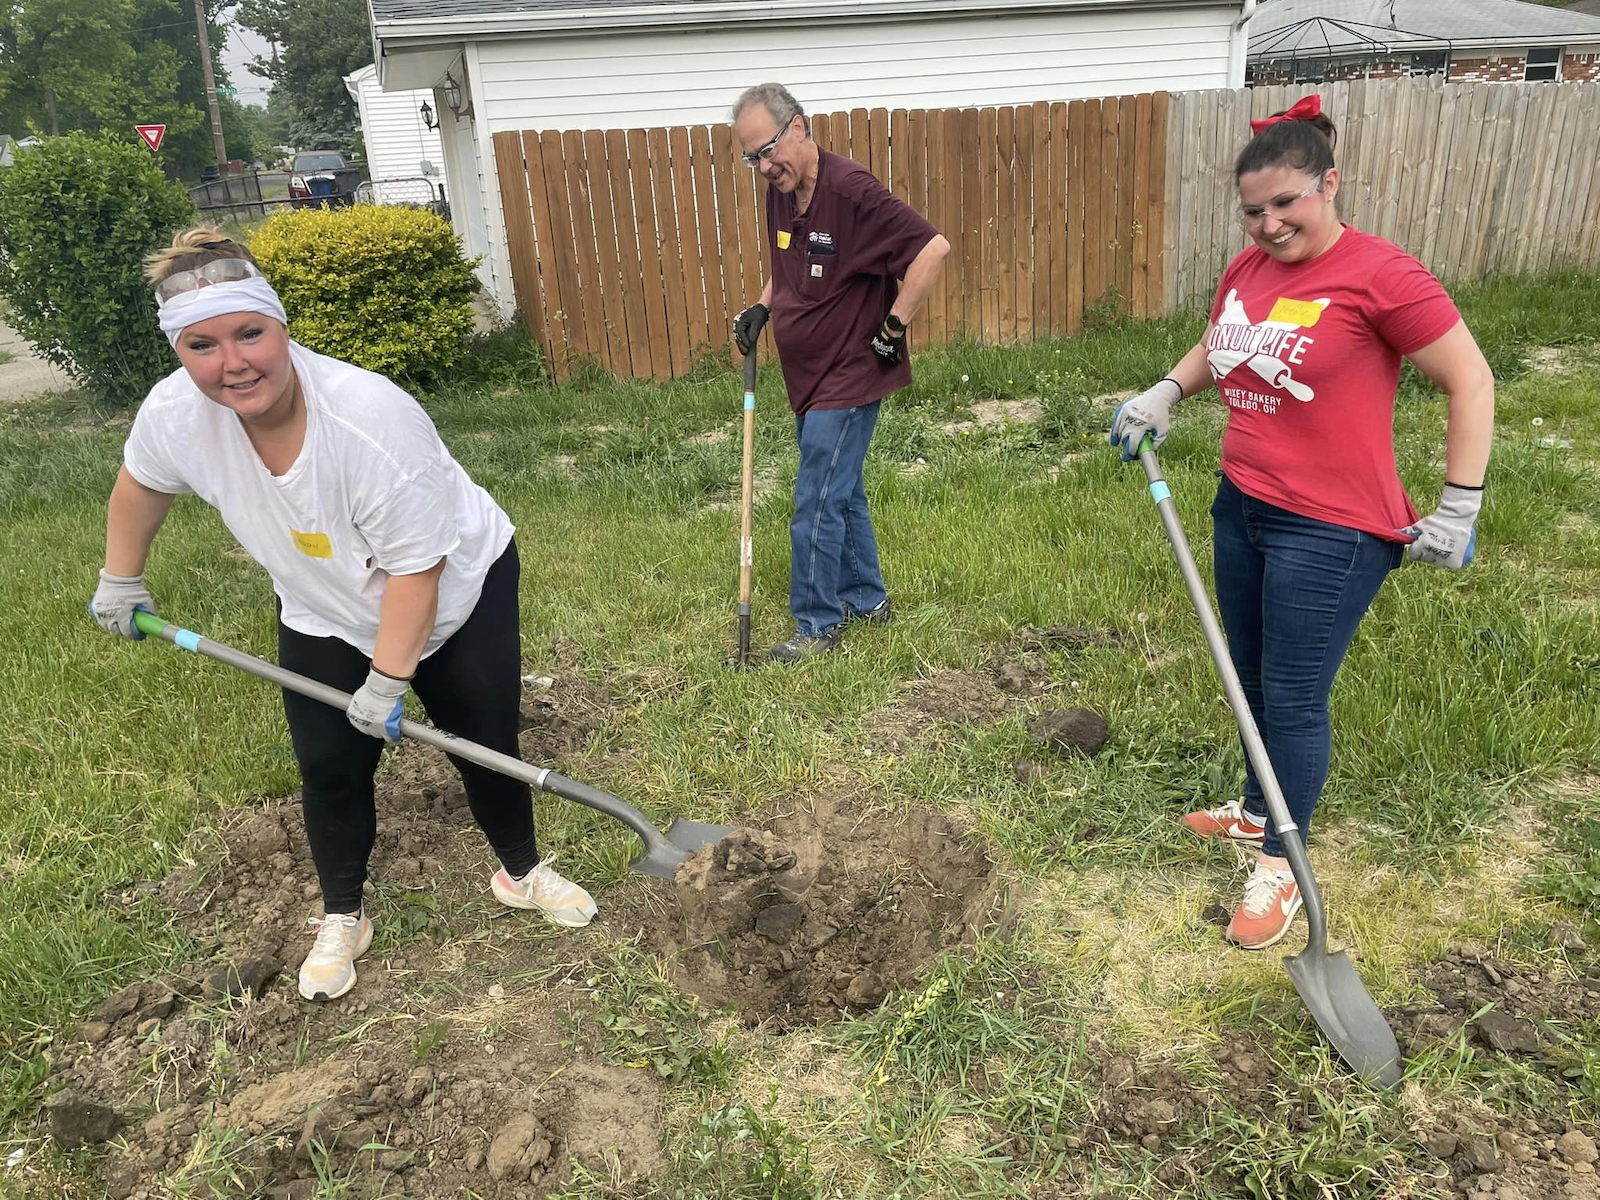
{"x": 236, "y": 55}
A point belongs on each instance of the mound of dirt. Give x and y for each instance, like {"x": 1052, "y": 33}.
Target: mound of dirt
{"x": 826, "y": 913}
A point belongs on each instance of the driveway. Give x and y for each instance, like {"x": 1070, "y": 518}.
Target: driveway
{"x": 25, "y": 374}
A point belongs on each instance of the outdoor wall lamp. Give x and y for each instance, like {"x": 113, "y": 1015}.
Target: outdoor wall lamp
{"x": 452, "y": 97}
{"x": 428, "y": 118}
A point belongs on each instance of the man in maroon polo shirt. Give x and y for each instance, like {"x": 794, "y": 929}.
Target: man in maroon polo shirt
{"x": 839, "y": 240}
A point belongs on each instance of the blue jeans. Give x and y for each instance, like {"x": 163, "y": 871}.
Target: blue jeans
{"x": 834, "y": 553}
{"x": 1292, "y": 591}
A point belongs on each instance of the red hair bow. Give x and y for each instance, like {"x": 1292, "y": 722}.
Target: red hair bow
{"x": 1307, "y": 108}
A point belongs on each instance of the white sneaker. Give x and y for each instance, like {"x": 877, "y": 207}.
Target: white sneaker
{"x": 329, "y": 971}
{"x": 543, "y": 888}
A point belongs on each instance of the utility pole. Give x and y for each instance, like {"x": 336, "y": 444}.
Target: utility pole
{"x": 211, "y": 85}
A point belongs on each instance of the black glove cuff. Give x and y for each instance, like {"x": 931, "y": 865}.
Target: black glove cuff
{"x": 1465, "y": 487}
{"x": 1174, "y": 383}
{"x": 894, "y": 324}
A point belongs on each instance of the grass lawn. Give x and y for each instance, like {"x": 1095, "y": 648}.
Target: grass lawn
{"x": 1095, "y": 1038}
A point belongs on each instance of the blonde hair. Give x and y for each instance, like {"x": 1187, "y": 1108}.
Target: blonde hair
{"x": 192, "y": 248}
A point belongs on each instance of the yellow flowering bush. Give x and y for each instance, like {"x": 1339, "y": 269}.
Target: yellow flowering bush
{"x": 383, "y": 286}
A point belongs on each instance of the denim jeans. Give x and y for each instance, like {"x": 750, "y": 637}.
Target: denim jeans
{"x": 1292, "y": 591}
{"x": 834, "y": 553}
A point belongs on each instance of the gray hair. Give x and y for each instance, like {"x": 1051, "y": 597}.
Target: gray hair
{"x": 777, "y": 100}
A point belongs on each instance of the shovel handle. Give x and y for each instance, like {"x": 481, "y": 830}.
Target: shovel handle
{"x": 1288, "y": 832}
{"x": 542, "y": 778}
{"x": 746, "y": 504}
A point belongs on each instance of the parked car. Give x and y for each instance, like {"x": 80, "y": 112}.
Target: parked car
{"x": 323, "y": 179}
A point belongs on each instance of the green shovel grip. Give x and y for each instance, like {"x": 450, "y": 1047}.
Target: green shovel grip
{"x": 1146, "y": 443}
{"x": 148, "y": 623}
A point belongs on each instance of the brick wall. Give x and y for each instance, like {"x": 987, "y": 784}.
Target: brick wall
{"x": 1580, "y": 68}
{"x": 1497, "y": 68}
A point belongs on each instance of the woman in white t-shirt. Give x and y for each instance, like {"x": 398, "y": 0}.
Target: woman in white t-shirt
{"x": 392, "y": 570}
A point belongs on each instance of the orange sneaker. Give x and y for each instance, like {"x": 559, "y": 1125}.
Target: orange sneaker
{"x": 1271, "y": 899}
{"x": 1230, "y": 823}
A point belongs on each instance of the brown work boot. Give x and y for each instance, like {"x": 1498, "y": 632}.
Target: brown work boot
{"x": 803, "y": 645}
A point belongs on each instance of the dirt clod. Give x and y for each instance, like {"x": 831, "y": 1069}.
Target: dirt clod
{"x": 76, "y": 1121}
{"x": 235, "y": 979}
{"x": 521, "y": 1152}
{"x": 1577, "y": 1147}
{"x": 1072, "y": 731}
{"x": 1508, "y": 1035}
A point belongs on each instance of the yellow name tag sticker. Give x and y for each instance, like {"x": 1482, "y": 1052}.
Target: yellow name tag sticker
{"x": 783, "y": 239}
{"x": 313, "y": 545}
{"x": 1304, "y": 313}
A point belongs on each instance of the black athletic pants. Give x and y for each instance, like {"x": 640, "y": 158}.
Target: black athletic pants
{"x": 471, "y": 686}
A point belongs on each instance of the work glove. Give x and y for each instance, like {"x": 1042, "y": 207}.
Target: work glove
{"x": 114, "y": 601}
{"x": 1448, "y": 536}
{"x": 889, "y": 343}
{"x": 1148, "y": 412}
{"x": 747, "y": 327}
{"x": 375, "y": 709}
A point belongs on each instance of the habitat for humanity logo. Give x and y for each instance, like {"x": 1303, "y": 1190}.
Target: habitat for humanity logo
{"x": 1272, "y": 348}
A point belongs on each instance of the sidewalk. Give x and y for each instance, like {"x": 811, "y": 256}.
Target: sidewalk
{"x": 25, "y": 375}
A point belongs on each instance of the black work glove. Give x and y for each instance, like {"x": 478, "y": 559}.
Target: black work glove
{"x": 889, "y": 343}
{"x": 747, "y": 327}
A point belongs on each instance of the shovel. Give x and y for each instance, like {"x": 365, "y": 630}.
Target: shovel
{"x": 746, "y": 503}
{"x": 662, "y": 856}
{"x": 1327, "y": 981}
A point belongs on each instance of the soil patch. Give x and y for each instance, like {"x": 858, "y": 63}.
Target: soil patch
{"x": 998, "y": 412}
{"x": 1015, "y": 677}
{"x": 827, "y": 912}
{"x": 763, "y": 483}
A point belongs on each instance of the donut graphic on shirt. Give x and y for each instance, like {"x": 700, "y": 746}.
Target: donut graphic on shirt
{"x": 1264, "y": 346}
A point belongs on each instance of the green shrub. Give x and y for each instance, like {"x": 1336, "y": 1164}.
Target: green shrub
{"x": 77, "y": 216}
{"x": 384, "y": 287}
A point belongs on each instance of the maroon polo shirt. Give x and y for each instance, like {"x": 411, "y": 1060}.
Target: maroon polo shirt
{"x": 834, "y": 269}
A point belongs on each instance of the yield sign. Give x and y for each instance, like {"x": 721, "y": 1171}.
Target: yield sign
{"x": 152, "y": 135}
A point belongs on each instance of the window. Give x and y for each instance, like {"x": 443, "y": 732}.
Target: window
{"x": 1429, "y": 63}
{"x": 1544, "y": 65}
{"x": 1310, "y": 70}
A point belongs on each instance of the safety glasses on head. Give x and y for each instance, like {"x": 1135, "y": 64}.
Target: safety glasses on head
{"x": 222, "y": 270}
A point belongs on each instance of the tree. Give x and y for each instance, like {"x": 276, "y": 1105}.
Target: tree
{"x": 322, "y": 41}
{"x": 107, "y": 65}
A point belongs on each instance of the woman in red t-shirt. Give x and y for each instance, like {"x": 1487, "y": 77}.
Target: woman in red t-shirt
{"x": 1304, "y": 344}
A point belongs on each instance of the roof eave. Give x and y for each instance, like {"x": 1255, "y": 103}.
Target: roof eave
{"x": 650, "y": 16}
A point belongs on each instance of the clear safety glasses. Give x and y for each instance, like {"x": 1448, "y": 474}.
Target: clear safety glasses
{"x": 222, "y": 270}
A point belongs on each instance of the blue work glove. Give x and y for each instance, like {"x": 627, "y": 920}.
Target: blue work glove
{"x": 376, "y": 708}
{"x": 1148, "y": 412}
{"x": 1448, "y": 536}
{"x": 114, "y": 601}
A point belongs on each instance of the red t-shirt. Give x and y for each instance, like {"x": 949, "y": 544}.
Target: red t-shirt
{"x": 1307, "y": 357}
{"x": 833, "y": 279}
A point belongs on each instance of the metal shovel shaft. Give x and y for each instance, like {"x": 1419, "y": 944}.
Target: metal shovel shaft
{"x": 661, "y": 858}
{"x": 1288, "y": 832}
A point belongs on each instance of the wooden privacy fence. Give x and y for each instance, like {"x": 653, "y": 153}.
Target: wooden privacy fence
{"x": 1473, "y": 179}
{"x": 635, "y": 248}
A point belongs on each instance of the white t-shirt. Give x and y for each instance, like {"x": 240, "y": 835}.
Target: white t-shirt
{"x": 373, "y": 493}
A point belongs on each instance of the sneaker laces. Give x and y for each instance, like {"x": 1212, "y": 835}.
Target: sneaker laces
{"x": 539, "y": 879}
{"x": 1262, "y": 889}
{"x": 331, "y": 932}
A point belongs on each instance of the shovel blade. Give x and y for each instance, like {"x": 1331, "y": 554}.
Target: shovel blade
{"x": 1347, "y": 1015}
{"x": 690, "y": 835}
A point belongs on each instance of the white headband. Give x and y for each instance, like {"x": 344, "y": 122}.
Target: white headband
{"x": 218, "y": 299}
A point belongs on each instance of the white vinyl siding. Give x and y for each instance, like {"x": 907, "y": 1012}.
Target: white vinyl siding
{"x": 624, "y": 80}
{"x": 397, "y": 140}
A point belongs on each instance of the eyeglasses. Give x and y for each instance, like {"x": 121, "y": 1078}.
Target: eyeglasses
{"x": 222, "y": 270}
{"x": 754, "y": 158}
{"x": 1253, "y": 214}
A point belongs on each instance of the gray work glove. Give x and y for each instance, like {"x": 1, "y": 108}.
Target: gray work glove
{"x": 1448, "y": 536}
{"x": 747, "y": 327}
{"x": 375, "y": 709}
{"x": 114, "y": 601}
{"x": 1148, "y": 412}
